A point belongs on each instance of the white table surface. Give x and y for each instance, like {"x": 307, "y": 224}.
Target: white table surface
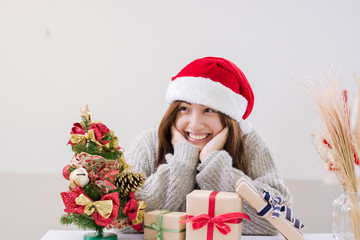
{"x": 78, "y": 235}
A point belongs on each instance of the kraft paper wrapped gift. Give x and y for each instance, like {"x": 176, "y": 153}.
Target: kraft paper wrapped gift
{"x": 264, "y": 208}
{"x": 164, "y": 225}
{"x": 213, "y": 215}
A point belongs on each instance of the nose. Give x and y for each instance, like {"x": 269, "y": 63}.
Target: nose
{"x": 196, "y": 121}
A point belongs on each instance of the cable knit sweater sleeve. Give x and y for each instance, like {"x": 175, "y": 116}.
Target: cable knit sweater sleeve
{"x": 166, "y": 187}
{"x": 217, "y": 173}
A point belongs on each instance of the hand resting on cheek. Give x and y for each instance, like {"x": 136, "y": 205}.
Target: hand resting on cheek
{"x": 217, "y": 143}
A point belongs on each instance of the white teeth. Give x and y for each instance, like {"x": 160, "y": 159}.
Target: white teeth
{"x": 197, "y": 137}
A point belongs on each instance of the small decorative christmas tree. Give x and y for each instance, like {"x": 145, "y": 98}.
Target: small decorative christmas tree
{"x": 102, "y": 187}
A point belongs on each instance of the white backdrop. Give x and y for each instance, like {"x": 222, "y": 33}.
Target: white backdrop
{"x": 118, "y": 57}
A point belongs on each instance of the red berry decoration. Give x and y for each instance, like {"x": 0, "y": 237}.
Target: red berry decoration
{"x": 66, "y": 173}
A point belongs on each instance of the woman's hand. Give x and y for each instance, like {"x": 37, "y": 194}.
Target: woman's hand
{"x": 217, "y": 143}
{"x": 176, "y": 136}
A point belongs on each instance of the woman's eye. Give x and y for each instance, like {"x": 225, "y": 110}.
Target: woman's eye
{"x": 183, "y": 108}
{"x": 209, "y": 110}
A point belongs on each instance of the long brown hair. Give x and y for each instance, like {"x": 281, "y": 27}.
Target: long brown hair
{"x": 234, "y": 143}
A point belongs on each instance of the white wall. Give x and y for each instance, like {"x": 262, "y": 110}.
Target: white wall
{"x": 118, "y": 57}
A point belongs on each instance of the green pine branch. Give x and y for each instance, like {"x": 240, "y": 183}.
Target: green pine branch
{"x": 93, "y": 149}
{"x": 71, "y": 168}
{"x": 107, "y": 137}
{"x": 121, "y": 214}
{"x": 91, "y": 192}
{"x": 85, "y": 124}
{"x": 80, "y": 220}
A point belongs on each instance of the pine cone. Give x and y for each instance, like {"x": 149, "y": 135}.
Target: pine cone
{"x": 129, "y": 182}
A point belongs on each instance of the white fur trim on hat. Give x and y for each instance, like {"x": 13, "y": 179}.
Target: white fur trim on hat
{"x": 206, "y": 92}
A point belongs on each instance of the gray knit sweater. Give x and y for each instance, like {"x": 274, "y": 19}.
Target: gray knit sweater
{"x": 167, "y": 187}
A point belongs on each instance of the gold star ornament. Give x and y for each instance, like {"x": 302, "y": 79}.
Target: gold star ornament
{"x": 85, "y": 112}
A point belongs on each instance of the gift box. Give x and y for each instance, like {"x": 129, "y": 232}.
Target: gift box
{"x": 213, "y": 215}
{"x": 164, "y": 225}
{"x": 271, "y": 209}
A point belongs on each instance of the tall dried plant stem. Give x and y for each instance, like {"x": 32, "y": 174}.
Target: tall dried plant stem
{"x": 334, "y": 113}
{"x": 357, "y": 127}
{"x": 357, "y": 134}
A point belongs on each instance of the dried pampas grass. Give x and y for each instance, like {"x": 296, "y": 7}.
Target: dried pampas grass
{"x": 335, "y": 143}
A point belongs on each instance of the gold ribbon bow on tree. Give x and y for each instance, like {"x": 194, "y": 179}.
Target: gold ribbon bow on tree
{"x": 104, "y": 208}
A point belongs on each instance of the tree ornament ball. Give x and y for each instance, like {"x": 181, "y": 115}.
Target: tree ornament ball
{"x": 79, "y": 177}
{"x": 66, "y": 173}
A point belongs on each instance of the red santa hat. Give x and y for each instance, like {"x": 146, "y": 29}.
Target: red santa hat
{"x": 216, "y": 83}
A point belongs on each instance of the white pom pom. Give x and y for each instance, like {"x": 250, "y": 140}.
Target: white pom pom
{"x": 245, "y": 126}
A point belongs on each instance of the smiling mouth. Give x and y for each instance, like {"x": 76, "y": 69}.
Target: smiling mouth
{"x": 197, "y": 137}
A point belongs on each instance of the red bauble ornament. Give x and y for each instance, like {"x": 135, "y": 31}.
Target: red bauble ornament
{"x": 66, "y": 173}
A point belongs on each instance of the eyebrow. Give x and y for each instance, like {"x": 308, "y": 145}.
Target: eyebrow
{"x": 186, "y": 102}
{"x": 201, "y": 105}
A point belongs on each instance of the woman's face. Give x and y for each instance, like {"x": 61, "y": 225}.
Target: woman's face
{"x": 198, "y": 123}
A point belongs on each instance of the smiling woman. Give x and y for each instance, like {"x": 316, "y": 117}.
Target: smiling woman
{"x": 179, "y": 116}
{"x": 205, "y": 141}
{"x": 197, "y": 123}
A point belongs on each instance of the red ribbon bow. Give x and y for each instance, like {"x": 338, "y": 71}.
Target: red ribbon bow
{"x": 219, "y": 221}
{"x": 71, "y": 206}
